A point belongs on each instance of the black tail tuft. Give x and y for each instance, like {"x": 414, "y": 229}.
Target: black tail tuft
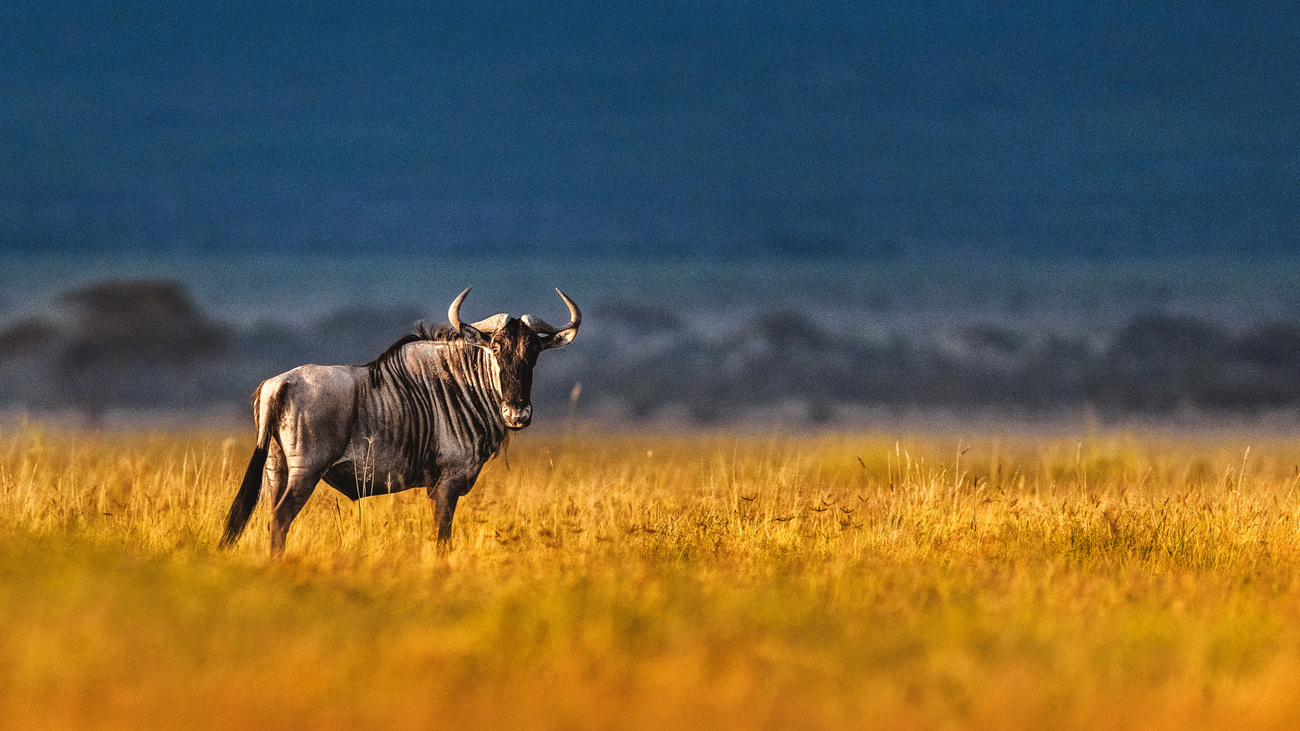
{"x": 249, "y": 491}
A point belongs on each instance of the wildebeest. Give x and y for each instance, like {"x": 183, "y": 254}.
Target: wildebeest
{"x": 428, "y": 412}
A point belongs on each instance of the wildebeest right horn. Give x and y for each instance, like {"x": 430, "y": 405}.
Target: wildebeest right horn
{"x": 453, "y": 312}
{"x": 472, "y": 334}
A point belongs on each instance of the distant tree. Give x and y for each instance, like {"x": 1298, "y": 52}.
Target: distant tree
{"x": 130, "y": 342}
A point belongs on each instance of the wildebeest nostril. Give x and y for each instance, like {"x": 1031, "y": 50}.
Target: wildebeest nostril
{"x": 517, "y": 416}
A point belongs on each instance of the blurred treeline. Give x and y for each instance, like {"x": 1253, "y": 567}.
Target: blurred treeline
{"x": 148, "y": 345}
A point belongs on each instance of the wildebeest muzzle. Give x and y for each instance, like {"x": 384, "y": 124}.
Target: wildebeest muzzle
{"x": 516, "y": 418}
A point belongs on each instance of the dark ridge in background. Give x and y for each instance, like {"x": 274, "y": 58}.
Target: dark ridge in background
{"x": 148, "y": 345}
{"x": 731, "y": 129}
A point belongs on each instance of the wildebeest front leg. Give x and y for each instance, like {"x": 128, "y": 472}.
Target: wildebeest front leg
{"x": 444, "y": 496}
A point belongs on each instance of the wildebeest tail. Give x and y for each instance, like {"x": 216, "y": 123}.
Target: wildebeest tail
{"x": 265, "y": 413}
{"x": 249, "y": 491}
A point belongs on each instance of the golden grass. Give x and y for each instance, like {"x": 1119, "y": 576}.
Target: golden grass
{"x": 648, "y": 581}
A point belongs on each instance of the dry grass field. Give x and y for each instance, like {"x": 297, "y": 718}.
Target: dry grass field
{"x": 981, "y": 580}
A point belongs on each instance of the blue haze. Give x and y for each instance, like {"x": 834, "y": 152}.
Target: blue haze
{"x": 723, "y": 128}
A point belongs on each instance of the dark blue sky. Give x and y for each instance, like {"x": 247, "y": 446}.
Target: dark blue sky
{"x": 1097, "y": 128}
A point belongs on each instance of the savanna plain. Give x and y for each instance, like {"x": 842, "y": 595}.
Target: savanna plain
{"x": 997, "y": 578}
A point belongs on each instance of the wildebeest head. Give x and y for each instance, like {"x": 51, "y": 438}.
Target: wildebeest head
{"x": 515, "y": 344}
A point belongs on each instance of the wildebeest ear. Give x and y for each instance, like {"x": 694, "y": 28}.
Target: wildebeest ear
{"x": 473, "y": 336}
{"x": 559, "y": 339}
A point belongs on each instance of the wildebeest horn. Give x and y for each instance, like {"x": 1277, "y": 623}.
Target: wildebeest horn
{"x": 541, "y": 327}
{"x": 474, "y": 333}
{"x": 557, "y": 337}
{"x": 575, "y": 315}
{"x": 453, "y": 312}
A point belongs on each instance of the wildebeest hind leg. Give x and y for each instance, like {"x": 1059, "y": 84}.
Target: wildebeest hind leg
{"x": 288, "y": 503}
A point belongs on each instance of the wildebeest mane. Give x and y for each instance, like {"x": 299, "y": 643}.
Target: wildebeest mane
{"x": 436, "y": 334}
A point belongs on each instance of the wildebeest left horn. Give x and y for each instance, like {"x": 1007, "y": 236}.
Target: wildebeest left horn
{"x": 575, "y": 315}
{"x": 556, "y": 337}
{"x": 541, "y": 327}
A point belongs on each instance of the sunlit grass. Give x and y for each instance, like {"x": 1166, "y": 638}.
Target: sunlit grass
{"x": 981, "y": 580}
